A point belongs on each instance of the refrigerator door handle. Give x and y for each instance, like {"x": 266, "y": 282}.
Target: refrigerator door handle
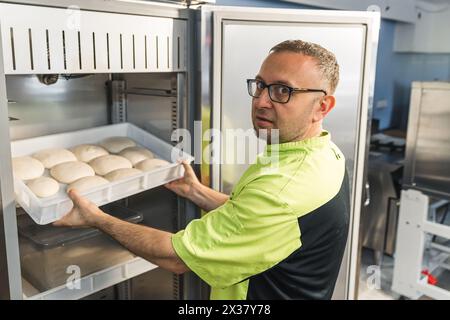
{"x": 367, "y": 192}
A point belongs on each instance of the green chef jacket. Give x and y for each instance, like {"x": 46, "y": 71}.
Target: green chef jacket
{"x": 282, "y": 233}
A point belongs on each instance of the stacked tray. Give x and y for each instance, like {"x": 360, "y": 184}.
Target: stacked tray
{"x": 50, "y": 209}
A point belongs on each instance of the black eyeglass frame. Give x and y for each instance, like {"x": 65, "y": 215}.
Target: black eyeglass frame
{"x": 291, "y": 90}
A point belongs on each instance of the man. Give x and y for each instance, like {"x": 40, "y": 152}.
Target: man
{"x": 281, "y": 233}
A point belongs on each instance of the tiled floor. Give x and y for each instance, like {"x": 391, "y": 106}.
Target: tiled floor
{"x": 375, "y": 282}
{"x": 371, "y": 289}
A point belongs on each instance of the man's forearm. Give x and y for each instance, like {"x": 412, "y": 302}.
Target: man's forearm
{"x": 206, "y": 198}
{"x": 151, "y": 244}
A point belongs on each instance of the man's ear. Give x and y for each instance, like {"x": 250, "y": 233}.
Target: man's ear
{"x": 326, "y": 104}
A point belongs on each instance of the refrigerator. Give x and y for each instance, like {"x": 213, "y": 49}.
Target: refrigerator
{"x": 160, "y": 67}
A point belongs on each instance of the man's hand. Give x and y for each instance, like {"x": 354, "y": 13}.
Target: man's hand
{"x": 190, "y": 187}
{"x": 83, "y": 214}
{"x": 187, "y": 185}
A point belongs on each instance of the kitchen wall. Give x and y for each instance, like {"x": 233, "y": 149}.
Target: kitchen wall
{"x": 395, "y": 72}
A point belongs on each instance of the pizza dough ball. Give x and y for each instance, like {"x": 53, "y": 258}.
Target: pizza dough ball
{"x": 122, "y": 173}
{"x": 105, "y": 164}
{"x": 136, "y": 154}
{"x": 117, "y": 144}
{"x": 68, "y": 172}
{"x": 87, "y": 183}
{"x": 54, "y": 156}
{"x": 26, "y": 168}
{"x": 88, "y": 152}
{"x": 150, "y": 164}
{"x": 43, "y": 186}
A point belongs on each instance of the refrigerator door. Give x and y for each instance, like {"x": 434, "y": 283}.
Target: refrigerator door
{"x": 234, "y": 43}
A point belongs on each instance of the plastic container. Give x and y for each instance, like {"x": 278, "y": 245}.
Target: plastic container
{"x": 50, "y": 209}
{"x": 48, "y": 253}
{"x": 49, "y": 237}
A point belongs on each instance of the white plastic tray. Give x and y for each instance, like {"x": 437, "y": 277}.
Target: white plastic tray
{"x": 47, "y": 210}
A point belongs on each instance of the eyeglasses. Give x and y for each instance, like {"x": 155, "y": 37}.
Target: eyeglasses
{"x": 277, "y": 92}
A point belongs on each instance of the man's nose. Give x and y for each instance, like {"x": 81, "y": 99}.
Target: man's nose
{"x": 263, "y": 101}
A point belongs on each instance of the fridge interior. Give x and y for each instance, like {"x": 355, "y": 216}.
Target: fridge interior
{"x": 78, "y": 101}
{"x": 68, "y": 69}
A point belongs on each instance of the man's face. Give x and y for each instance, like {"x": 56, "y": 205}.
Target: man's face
{"x": 294, "y": 118}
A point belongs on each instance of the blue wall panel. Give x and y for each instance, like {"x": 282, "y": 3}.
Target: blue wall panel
{"x": 395, "y": 73}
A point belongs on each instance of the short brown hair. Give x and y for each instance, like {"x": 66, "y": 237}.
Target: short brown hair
{"x": 326, "y": 60}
